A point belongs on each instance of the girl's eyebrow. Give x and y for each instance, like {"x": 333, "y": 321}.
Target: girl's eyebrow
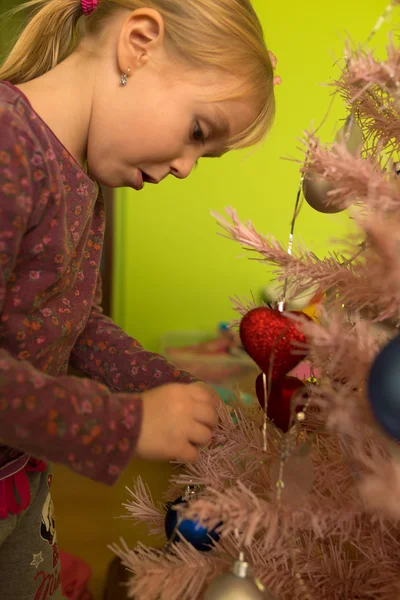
{"x": 220, "y": 128}
{"x": 218, "y": 123}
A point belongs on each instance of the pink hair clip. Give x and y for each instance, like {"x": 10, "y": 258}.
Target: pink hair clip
{"x": 88, "y": 6}
{"x": 277, "y": 79}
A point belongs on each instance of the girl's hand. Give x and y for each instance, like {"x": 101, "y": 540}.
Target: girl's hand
{"x": 177, "y": 420}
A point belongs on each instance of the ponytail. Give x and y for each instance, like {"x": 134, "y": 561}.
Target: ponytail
{"x": 48, "y": 39}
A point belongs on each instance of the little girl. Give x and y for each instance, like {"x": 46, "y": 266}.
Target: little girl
{"x": 120, "y": 93}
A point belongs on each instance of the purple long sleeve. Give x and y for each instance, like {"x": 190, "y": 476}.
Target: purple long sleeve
{"x": 106, "y": 353}
{"x": 66, "y": 419}
{"x": 51, "y": 235}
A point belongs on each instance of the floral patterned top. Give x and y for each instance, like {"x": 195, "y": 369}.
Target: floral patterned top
{"x": 51, "y": 236}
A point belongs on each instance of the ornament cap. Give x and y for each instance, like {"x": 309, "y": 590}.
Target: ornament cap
{"x": 281, "y": 306}
{"x": 240, "y": 567}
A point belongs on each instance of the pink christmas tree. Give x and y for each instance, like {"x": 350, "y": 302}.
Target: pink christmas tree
{"x": 314, "y": 509}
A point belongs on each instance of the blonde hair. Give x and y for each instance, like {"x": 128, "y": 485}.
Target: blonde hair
{"x": 221, "y": 34}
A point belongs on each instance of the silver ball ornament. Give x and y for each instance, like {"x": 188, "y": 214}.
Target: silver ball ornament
{"x": 236, "y": 585}
{"x": 315, "y": 188}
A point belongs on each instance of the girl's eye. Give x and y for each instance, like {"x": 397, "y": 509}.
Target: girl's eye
{"x": 198, "y": 134}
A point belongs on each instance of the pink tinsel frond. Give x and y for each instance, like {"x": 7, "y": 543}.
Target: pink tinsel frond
{"x": 234, "y": 447}
{"x": 156, "y": 575}
{"x": 363, "y": 69}
{"x": 371, "y": 87}
{"x": 246, "y": 235}
{"x": 357, "y": 281}
{"x": 381, "y": 487}
{"x": 355, "y": 178}
{"x": 258, "y": 518}
{"x": 274, "y": 253}
{"x": 141, "y": 507}
{"x": 242, "y": 305}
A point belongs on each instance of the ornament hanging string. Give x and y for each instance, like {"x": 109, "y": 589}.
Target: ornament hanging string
{"x": 382, "y": 20}
{"x": 297, "y": 207}
{"x": 264, "y": 430}
{"x": 267, "y": 383}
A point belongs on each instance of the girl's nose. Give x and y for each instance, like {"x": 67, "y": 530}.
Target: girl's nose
{"x": 182, "y": 167}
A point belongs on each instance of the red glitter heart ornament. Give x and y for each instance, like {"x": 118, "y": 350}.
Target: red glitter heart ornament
{"x": 265, "y": 333}
{"x": 279, "y": 405}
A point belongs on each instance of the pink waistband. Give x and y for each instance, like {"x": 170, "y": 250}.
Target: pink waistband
{"x": 17, "y": 481}
{"x": 14, "y": 466}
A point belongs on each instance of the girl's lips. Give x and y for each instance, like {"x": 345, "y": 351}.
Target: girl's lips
{"x": 148, "y": 179}
{"x": 141, "y": 178}
{"x": 138, "y": 183}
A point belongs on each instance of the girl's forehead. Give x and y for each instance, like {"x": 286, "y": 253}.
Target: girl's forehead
{"x": 234, "y": 114}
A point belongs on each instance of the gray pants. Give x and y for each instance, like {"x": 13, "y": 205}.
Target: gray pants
{"x": 29, "y": 561}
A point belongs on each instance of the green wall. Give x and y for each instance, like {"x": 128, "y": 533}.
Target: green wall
{"x": 172, "y": 271}
{"x": 9, "y": 27}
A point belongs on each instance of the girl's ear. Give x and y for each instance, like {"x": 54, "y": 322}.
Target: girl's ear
{"x": 141, "y": 34}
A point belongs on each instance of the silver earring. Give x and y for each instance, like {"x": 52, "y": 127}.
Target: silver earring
{"x": 124, "y": 77}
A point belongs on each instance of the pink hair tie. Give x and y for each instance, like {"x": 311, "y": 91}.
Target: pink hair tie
{"x": 88, "y": 6}
{"x": 277, "y": 79}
